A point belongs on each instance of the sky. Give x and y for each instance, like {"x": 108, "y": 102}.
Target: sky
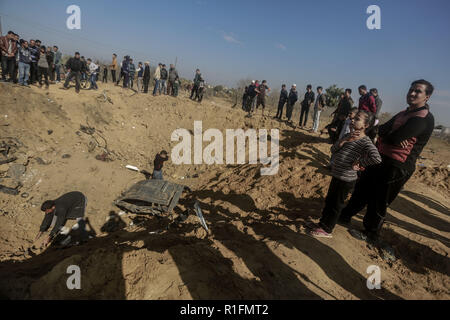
{"x": 303, "y": 42}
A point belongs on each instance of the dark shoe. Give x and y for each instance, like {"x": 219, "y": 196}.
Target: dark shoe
{"x": 345, "y": 222}
{"x": 370, "y": 237}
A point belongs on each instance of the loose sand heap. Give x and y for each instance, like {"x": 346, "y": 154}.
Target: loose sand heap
{"x": 257, "y": 247}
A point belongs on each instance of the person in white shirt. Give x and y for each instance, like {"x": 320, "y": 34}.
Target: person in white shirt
{"x": 93, "y": 71}
{"x": 318, "y": 108}
{"x": 140, "y": 74}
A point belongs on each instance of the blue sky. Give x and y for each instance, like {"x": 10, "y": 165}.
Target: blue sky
{"x": 319, "y": 42}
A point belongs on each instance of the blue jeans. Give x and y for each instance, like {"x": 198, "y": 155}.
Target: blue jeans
{"x": 156, "y": 87}
{"x": 24, "y": 70}
{"x": 163, "y": 86}
{"x": 58, "y": 76}
{"x": 157, "y": 175}
{"x": 93, "y": 83}
{"x": 316, "y": 119}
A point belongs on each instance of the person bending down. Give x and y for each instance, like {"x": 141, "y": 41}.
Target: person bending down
{"x": 70, "y": 206}
{"x": 350, "y": 154}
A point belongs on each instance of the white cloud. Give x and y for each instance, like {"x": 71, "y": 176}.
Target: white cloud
{"x": 231, "y": 38}
{"x": 281, "y": 46}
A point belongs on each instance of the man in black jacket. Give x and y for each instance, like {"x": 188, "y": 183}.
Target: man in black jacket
{"x": 306, "y": 104}
{"x": 197, "y": 77}
{"x": 75, "y": 67}
{"x": 401, "y": 140}
{"x": 146, "y": 77}
{"x": 70, "y": 206}
{"x": 282, "y": 101}
{"x": 173, "y": 77}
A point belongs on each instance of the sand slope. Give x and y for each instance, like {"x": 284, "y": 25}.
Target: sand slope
{"x": 257, "y": 247}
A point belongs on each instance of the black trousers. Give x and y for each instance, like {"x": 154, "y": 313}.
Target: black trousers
{"x": 121, "y": 74}
{"x": 113, "y": 75}
{"x": 304, "y": 113}
{"x": 280, "y": 109}
{"x": 289, "y": 109}
{"x": 170, "y": 90}
{"x": 337, "y": 125}
{"x": 51, "y": 72}
{"x": 377, "y": 188}
{"x": 33, "y": 72}
{"x": 194, "y": 91}
{"x": 8, "y": 64}
{"x": 77, "y": 80}
{"x": 146, "y": 82}
{"x": 335, "y": 202}
{"x": 15, "y": 72}
{"x": 43, "y": 72}
{"x": 199, "y": 94}
{"x": 126, "y": 79}
{"x": 105, "y": 76}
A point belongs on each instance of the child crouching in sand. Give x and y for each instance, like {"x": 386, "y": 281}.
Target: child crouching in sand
{"x": 350, "y": 154}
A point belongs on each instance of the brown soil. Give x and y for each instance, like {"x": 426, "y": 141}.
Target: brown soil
{"x": 257, "y": 247}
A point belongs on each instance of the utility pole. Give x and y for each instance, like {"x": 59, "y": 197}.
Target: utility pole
{"x": 1, "y": 34}
{"x": 176, "y": 59}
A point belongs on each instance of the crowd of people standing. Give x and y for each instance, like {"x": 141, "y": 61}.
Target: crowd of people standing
{"x": 32, "y": 63}
{"x": 370, "y": 161}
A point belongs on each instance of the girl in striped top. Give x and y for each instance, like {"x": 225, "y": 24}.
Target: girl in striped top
{"x": 352, "y": 153}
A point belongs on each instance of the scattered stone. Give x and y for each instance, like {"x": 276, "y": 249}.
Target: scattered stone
{"x": 103, "y": 157}
{"x": 16, "y": 171}
{"x": 66, "y": 156}
{"x": 42, "y": 161}
{"x": 49, "y": 132}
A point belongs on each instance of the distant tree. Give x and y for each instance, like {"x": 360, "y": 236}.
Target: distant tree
{"x": 333, "y": 95}
{"x": 218, "y": 88}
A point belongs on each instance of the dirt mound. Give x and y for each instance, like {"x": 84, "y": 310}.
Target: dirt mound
{"x": 257, "y": 247}
{"x": 436, "y": 178}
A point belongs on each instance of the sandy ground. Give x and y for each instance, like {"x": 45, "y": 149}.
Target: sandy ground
{"x": 257, "y": 247}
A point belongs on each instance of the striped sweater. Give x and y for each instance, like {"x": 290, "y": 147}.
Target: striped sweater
{"x": 362, "y": 151}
